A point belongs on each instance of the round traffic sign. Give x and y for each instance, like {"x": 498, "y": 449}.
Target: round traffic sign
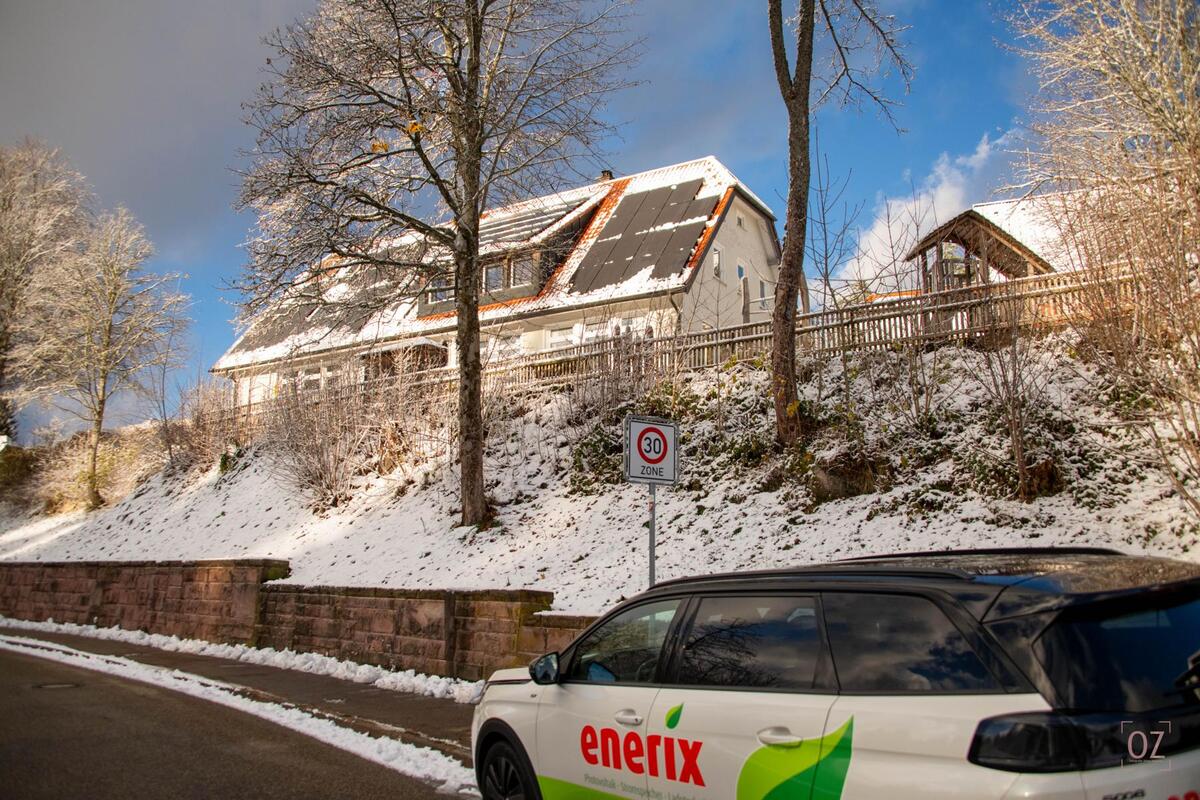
{"x": 652, "y": 445}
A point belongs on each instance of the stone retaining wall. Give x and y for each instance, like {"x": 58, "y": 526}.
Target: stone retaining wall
{"x": 460, "y": 633}
{"x": 212, "y": 600}
{"x": 463, "y": 633}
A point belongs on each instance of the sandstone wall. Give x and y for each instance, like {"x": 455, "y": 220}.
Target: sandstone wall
{"x": 465, "y": 634}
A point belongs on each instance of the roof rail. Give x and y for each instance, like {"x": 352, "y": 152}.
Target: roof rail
{"x": 992, "y": 551}
{"x": 839, "y": 568}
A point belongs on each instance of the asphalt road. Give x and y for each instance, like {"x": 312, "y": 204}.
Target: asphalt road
{"x": 106, "y": 738}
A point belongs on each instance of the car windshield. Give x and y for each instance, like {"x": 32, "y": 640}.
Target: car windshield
{"x": 1123, "y": 659}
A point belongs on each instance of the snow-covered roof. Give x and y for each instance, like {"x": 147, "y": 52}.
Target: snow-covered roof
{"x": 1029, "y": 221}
{"x": 642, "y": 235}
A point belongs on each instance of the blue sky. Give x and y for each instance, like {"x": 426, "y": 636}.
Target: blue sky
{"x": 144, "y": 97}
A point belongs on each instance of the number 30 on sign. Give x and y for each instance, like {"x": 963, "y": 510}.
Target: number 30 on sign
{"x": 650, "y": 450}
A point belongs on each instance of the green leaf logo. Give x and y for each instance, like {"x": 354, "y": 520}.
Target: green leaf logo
{"x": 814, "y": 768}
{"x": 673, "y": 716}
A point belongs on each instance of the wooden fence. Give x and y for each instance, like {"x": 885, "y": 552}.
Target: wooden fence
{"x": 957, "y": 316}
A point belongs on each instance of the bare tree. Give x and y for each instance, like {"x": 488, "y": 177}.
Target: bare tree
{"x": 99, "y": 324}
{"x": 389, "y": 126}
{"x": 1118, "y": 123}
{"x": 860, "y": 40}
{"x": 41, "y": 200}
{"x": 1014, "y": 380}
{"x": 158, "y": 388}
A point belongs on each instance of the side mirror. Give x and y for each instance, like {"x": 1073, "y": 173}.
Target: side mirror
{"x": 545, "y": 670}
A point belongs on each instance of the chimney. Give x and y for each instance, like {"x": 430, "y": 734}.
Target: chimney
{"x": 606, "y": 174}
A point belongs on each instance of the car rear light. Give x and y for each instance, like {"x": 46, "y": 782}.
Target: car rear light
{"x": 1048, "y": 742}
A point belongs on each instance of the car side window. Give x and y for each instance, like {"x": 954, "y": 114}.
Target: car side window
{"x": 767, "y": 642}
{"x": 899, "y": 644}
{"x": 626, "y": 648}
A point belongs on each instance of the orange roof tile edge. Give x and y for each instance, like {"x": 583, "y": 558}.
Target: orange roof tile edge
{"x": 710, "y": 230}
{"x": 593, "y": 230}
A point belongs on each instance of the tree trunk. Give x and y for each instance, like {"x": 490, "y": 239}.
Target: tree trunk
{"x": 795, "y": 91}
{"x": 472, "y": 435}
{"x": 94, "y": 500}
{"x": 470, "y": 394}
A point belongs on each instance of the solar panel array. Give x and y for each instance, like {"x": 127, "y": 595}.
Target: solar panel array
{"x": 644, "y": 231}
{"x": 520, "y": 227}
{"x": 367, "y": 289}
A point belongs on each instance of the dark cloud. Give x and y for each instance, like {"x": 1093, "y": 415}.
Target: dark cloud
{"x": 142, "y": 95}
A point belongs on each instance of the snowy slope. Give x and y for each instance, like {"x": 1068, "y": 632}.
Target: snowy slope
{"x": 585, "y": 540}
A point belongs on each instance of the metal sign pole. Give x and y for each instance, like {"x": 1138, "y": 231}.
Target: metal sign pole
{"x": 653, "y": 488}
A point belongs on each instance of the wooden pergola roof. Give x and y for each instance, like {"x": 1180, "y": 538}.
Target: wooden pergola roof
{"x": 980, "y": 236}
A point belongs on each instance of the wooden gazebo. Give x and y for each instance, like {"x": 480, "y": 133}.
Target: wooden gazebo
{"x": 970, "y": 250}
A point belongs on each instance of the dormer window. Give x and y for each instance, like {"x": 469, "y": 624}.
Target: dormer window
{"x": 524, "y": 270}
{"x": 493, "y": 277}
{"x": 441, "y": 289}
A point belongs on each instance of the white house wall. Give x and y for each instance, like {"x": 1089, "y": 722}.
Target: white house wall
{"x": 715, "y": 297}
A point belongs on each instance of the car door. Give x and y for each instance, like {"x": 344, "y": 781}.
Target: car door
{"x": 912, "y": 691}
{"x": 591, "y": 725}
{"x": 744, "y": 712}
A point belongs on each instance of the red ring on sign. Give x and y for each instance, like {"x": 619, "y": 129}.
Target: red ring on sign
{"x": 642, "y": 452}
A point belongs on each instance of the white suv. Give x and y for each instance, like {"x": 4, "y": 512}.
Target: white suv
{"x": 982, "y": 674}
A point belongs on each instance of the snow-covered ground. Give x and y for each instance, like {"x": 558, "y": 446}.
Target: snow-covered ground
{"x": 740, "y": 506}
{"x": 418, "y": 762}
{"x": 408, "y": 681}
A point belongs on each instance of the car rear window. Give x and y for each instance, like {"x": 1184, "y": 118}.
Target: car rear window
{"x": 900, "y": 644}
{"x": 771, "y": 642}
{"x": 1125, "y": 659}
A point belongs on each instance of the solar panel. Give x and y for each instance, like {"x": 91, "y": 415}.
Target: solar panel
{"x": 520, "y": 227}
{"x": 651, "y": 250}
{"x": 594, "y": 261}
{"x": 629, "y": 242}
{"x": 678, "y": 249}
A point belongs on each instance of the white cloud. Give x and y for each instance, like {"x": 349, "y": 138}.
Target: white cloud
{"x": 953, "y": 184}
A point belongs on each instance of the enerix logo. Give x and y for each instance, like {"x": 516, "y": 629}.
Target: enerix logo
{"x": 669, "y": 757}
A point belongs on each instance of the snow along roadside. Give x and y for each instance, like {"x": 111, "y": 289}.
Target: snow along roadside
{"x": 408, "y": 759}
{"x": 409, "y": 681}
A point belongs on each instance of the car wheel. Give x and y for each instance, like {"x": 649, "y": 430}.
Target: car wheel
{"x": 504, "y": 775}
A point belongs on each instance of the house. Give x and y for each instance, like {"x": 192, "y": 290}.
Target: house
{"x": 677, "y": 249}
{"x": 988, "y": 242}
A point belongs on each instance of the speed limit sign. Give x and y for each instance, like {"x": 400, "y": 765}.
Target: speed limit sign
{"x": 650, "y": 452}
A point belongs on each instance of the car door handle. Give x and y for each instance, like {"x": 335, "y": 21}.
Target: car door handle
{"x": 779, "y": 737}
{"x": 627, "y": 716}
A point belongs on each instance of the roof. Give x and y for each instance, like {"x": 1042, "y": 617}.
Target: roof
{"x": 998, "y": 583}
{"x": 642, "y": 236}
{"x": 970, "y": 228}
{"x": 1029, "y": 220}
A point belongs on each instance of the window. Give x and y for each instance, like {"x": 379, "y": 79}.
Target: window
{"x": 523, "y": 270}
{"x": 310, "y": 379}
{"x": 762, "y": 294}
{"x": 493, "y": 277}
{"x": 741, "y": 272}
{"x": 896, "y": 644}
{"x": 441, "y": 289}
{"x": 627, "y": 648}
{"x": 754, "y": 643}
{"x": 595, "y": 330}
{"x": 1125, "y": 659}
{"x": 506, "y": 346}
{"x": 741, "y": 221}
{"x": 716, "y": 263}
{"x": 560, "y": 337}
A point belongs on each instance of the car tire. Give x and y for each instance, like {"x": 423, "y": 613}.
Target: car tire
{"x": 505, "y": 776}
